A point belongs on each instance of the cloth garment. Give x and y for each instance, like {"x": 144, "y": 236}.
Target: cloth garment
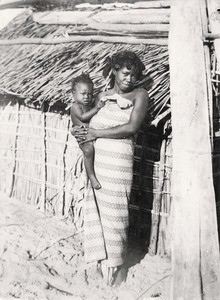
{"x": 121, "y": 101}
{"x": 106, "y": 217}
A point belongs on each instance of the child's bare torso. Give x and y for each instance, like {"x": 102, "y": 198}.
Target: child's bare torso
{"x": 76, "y": 121}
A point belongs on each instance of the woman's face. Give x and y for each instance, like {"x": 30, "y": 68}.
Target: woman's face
{"x": 125, "y": 79}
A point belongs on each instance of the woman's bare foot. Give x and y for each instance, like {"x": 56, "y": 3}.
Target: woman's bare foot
{"x": 120, "y": 275}
{"x": 99, "y": 271}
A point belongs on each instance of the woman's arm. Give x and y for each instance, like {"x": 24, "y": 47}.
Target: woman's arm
{"x": 126, "y": 130}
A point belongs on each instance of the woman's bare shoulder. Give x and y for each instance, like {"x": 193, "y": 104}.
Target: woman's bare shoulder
{"x": 140, "y": 91}
{"x": 140, "y": 94}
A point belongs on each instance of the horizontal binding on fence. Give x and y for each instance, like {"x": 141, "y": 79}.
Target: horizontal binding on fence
{"x": 150, "y": 211}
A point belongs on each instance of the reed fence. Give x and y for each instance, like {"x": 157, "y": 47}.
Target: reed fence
{"x": 41, "y": 164}
{"x": 215, "y": 75}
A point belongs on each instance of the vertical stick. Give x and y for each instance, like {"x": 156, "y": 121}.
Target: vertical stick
{"x": 64, "y": 168}
{"x": 195, "y": 244}
{"x": 15, "y": 148}
{"x": 157, "y": 203}
{"x": 42, "y": 204}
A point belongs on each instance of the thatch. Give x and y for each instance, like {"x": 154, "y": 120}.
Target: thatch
{"x": 43, "y": 72}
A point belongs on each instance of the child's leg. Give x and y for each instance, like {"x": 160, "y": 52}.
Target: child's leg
{"x": 88, "y": 151}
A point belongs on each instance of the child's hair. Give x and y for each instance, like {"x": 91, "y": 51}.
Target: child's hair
{"x": 127, "y": 59}
{"x": 84, "y": 77}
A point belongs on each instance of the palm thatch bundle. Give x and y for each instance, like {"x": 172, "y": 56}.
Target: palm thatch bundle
{"x": 48, "y": 69}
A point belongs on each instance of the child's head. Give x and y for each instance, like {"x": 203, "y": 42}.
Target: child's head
{"x": 82, "y": 89}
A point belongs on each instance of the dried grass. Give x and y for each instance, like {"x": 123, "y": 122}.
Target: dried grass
{"x": 48, "y": 69}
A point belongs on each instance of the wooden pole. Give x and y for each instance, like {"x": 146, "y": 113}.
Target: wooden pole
{"x": 90, "y": 38}
{"x": 129, "y": 28}
{"x": 195, "y": 247}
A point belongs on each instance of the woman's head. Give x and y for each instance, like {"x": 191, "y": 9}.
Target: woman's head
{"x": 125, "y": 62}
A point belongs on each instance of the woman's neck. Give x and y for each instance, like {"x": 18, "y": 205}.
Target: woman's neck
{"x": 117, "y": 90}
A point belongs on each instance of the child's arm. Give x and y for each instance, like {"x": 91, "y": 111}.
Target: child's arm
{"x": 84, "y": 116}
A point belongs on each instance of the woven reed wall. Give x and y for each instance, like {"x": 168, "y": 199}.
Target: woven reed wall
{"x": 41, "y": 164}
{"x": 40, "y": 161}
{"x": 215, "y": 76}
{"x": 216, "y": 150}
{"x": 151, "y": 191}
{"x": 165, "y": 210}
{"x": 216, "y": 174}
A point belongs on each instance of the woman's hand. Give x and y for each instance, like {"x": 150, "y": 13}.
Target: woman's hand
{"x": 79, "y": 132}
{"x": 83, "y": 134}
{"x": 89, "y": 136}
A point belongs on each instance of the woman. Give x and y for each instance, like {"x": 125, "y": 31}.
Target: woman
{"x": 113, "y": 128}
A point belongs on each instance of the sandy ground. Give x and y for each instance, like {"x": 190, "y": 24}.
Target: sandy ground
{"x": 41, "y": 257}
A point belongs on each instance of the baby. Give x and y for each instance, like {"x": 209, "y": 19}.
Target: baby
{"x": 82, "y": 110}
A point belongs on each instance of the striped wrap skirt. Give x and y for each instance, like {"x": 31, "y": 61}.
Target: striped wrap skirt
{"x": 106, "y": 218}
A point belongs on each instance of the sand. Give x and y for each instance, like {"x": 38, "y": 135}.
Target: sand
{"x": 41, "y": 257}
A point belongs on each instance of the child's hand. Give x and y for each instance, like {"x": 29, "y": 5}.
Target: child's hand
{"x": 101, "y": 103}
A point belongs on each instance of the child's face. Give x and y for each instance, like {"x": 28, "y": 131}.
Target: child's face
{"x": 83, "y": 93}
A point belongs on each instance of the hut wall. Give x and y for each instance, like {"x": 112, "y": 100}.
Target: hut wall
{"x": 8, "y": 132}
{"x": 151, "y": 197}
{"x": 216, "y": 174}
{"x": 27, "y": 171}
{"x": 165, "y": 210}
{"x": 216, "y": 131}
{"x": 216, "y": 147}
{"x": 41, "y": 164}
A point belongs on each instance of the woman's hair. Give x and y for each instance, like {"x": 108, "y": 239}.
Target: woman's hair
{"x": 126, "y": 59}
{"x": 84, "y": 78}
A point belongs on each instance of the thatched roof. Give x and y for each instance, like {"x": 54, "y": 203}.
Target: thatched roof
{"x": 43, "y": 72}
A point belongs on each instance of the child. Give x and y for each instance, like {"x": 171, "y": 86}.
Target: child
{"x": 82, "y": 110}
